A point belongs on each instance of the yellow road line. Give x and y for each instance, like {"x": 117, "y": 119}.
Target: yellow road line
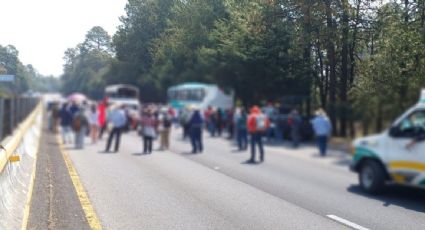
{"x": 31, "y": 188}
{"x": 82, "y": 195}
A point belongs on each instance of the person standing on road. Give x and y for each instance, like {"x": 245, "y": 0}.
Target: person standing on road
{"x": 148, "y": 129}
{"x": 196, "y": 124}
{"x": 258, "y": 123}
{"x": 269, "y": 111}
{"x": 164, "y": 128}
{"x": 208, "y": 119}
{"x": 66, "y": 124}
{"x": 184, "y": 121}
{"x": 219, "y": 121}
{"x": 94, "y": 123}
{"x": 55, "y": 117}
{"x": 101, "y": 108}
{"x": 80, "y": 127}
{"x": 295, "y": 122}
{"x": 322, "y": 128}
{"x": 117, "y": 119}
{"x": 241, "y": 129}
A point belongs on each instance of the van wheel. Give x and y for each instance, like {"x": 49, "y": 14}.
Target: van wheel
{"x": 372, "y": 177}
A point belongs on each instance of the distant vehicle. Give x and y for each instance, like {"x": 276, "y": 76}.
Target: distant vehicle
{"x": 200, "y": 95}
{"x": 127, "y": 95}
{"x": 387, "y": 157}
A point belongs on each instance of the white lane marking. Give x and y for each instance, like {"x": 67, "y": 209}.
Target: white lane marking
{"x": 216, "y": 168}
{"x": 346, "y": 222}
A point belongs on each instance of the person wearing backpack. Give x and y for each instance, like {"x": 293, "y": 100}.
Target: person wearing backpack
{"x": 257, "y": 123}
{"x": 80, "y": 126}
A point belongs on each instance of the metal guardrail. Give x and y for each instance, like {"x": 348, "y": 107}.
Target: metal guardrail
{"x": 13, "y": 111}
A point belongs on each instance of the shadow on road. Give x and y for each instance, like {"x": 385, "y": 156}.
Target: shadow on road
{"x": 251, "y": 163}
{"x": 107, "y": 152}
{"x": 401, "y": 196}
{"x": 140, "y": 154}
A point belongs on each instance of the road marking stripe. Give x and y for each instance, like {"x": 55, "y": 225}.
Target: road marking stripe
{"x": 346, "y": 222}
{"x": 79, "y": 188}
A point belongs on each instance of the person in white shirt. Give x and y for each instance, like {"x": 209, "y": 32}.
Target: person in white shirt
{"x": 93, "y": 118}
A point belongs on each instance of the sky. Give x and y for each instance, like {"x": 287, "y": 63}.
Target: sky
{"x": 42, "y": 30}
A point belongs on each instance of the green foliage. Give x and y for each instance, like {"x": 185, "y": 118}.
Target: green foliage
{"x": 362, "y": 60}
{"x": 88, "y": 64}
{"x": 392, "y": 75}
{"x": 26, "y": 77}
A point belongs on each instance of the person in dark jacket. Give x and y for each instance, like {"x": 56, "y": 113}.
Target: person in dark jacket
{"x": 195, "y": 125}
{"x": 241, "y": 129}
{"x": 295, "y": 122}
{"x": 65, "y": 118}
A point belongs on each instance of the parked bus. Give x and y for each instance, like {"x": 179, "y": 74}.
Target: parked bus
{"x": 199, "y": 94}
{"x": 127, "y": 95}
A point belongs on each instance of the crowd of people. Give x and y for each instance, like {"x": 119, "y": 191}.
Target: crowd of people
{"x": 248, "y": 128}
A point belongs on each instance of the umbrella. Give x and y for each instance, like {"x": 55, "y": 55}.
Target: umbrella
{"x": 77, "y": 97}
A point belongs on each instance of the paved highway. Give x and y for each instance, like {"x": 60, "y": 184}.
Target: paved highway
{"x": 217, "y": 190}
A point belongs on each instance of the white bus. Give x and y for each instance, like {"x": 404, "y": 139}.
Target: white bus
{"x": 123, "y": 94}
{"x": 199, "y": 94}
{"x": 127, "y": 95}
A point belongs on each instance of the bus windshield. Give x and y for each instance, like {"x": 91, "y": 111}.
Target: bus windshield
{"x": 122, "y": 91}
{"x": 187, "y": 94}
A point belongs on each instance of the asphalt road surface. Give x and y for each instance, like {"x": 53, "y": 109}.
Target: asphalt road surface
{"x": 292, "y": 189}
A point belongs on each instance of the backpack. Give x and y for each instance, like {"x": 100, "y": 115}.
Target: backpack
{"x": 167, "y": 122}
{"x": 76, "y": 123}
{"x": 261, "y": 123}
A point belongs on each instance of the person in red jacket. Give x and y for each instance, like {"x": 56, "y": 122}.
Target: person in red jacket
{"x": 101, "y": 108}
{"x": 257, "y": 124}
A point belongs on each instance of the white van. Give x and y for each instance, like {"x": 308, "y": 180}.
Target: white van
{"x": 396, "y": 155}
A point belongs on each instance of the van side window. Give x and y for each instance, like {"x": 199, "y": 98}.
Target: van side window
{"x": 412, "y": 125}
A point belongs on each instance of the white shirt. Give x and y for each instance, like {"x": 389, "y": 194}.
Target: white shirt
{"x": 93, "y": 118}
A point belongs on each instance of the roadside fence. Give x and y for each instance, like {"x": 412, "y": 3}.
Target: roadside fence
{"x": 13, "y": 111}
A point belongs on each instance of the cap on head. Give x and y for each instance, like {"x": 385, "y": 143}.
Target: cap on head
{"x": 320, "y": 112}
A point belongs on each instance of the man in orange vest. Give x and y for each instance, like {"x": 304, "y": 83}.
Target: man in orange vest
{"x": 257, "y": 124}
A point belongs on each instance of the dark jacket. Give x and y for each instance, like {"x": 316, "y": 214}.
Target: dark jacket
{"x": 65, "y": 117}
{"x": 196, "y": 120}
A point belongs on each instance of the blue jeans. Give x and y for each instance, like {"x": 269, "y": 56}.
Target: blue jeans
{"x": 196, "y": 139}
{"x": 242, "y": 138}
{"x": 257, "y": 139}
{"x": 322, "y": 142}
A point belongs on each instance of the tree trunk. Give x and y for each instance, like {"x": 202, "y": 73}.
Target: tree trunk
{"x": 343, "y": 87}
{"x": 332, "y": 65}
{"x": 379, "y": 118}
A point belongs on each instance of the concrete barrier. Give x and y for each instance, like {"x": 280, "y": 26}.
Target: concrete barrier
{"x": 16, "y": 178}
